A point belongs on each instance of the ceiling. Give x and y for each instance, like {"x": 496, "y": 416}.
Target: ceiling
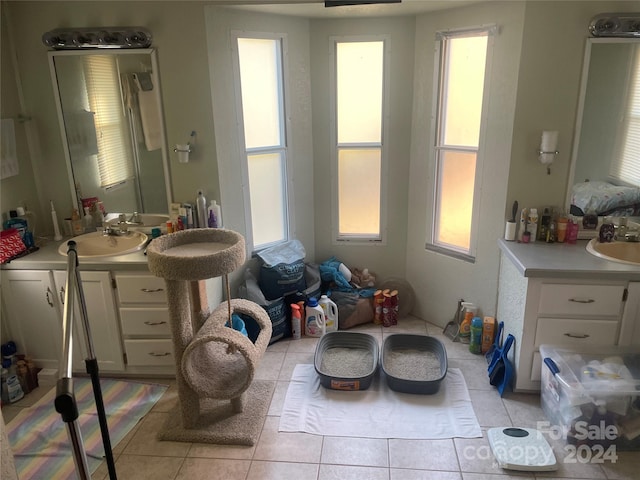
{"x": 316, "y": 9}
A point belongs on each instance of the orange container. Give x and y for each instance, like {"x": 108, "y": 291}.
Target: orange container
{"x": 488, "y": 333}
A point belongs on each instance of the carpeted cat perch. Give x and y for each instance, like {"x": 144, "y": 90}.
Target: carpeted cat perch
{"x": 215, "y": 364}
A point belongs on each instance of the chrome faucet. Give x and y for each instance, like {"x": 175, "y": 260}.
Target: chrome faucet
{"x": 136, "y": 219}
{"x": 120, "y": 228}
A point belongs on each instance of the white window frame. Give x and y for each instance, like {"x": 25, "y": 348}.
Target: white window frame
{"x": 380, "y": 239}
{"x": 431, "y": 243}
{"x": 284, "y": 134}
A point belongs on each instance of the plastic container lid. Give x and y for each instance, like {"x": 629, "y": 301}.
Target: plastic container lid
{"x": 312, "y": 302}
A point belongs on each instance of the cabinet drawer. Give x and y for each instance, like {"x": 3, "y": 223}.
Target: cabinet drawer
{"x": 141, "y": 289}
{"x": 598, "y": 300}
{"x": 149, "y": 352}
{"x": 565, "y": 331}
{"x": 148, "y": 321}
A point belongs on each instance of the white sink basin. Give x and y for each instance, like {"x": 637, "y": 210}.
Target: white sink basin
{"x": 621, "y": 252}
{"x": 95, "y": 244}
{"x": 149, "y": 221}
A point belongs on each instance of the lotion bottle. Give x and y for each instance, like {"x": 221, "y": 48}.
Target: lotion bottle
{"x": 217, "y": 213}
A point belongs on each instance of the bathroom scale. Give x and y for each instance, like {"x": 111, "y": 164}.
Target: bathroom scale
{"x": 521, "y": 449}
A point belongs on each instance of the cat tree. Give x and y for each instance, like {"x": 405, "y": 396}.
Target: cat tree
{"x": 214, "y": 362}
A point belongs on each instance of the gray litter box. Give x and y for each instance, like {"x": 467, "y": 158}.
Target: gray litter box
{"x": 414, "y": 363}
{"x": 346, "y": 360}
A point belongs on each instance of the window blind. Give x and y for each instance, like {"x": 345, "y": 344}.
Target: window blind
{"x": 115, "y": 163}
{"x": 626, "y": 165}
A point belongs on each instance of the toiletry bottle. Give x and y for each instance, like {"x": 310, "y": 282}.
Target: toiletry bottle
{"x": 561, "y": 229}
{"x": 87, "y": 221}
{"x": 76, "y": 223}
{"x": 56, "y": 227}
{"x": 523, "y": 223}
{"x": 572, "y": 231}
{"x": 217, "y": 212}
{"x": 533, "y": 223}
{"x": 201, "y": 210}
{"x": 545, "y": 222}
{"x": 622, "y": 228}
{"x": 213, "y": 222}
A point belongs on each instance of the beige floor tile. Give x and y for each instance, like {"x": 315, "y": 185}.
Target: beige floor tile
{"x": 169, "y": 400}
{"x": 213, "y": 469}
{"x": 407, "y": 474}
{"x": 9, "y": 412}
{"x": 209, "y": 450}
{"x": 349, "y": 472}
{"x": 303, "y": 345}
{"x": 145, "y": 441}
{"x": 285, "y": 446}
{"x": 277, "y": 402}
{"x": 408, "y": 324}
{"x": 372, "y": 452}
{"x": 568, "y": 465}
{"x": 423, "y": 454}
{"x": 489, "y": 408}
{"x": 122, "y": 444}
{"x": 491, "y": 476}
{"x": 290, "y": 361}
{"x": 524, "y": 409}
{"x": 270, "y": 365}
{"x": 282, "y": 471}
{"x": 32, "y": 397}
{"x": 458, "y": 350}
{"x": 279, "y": 346}
{"x": 474, "y": 371}
{"x": 143, "y": 467}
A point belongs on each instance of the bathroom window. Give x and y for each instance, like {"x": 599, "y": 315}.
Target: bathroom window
{"x": 625, "y": 167}
{"x": 359, "y": 155}
{"x": 261, "y": 83}
{"x": 115, "y": 164}
{"x": 462, "y": 58}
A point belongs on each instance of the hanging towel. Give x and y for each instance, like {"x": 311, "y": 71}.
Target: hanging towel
{"x": 8, "y": 155}
{"x": 150, "y": 117}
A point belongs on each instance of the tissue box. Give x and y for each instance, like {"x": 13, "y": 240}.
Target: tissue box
{"x": 593, "y": 394}
{"x": 47, "y": 377}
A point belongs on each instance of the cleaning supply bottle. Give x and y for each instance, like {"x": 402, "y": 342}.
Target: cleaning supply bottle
{"x": 465, "y": 326}
{"x": 330, "y": 313}
{"x": 217, "y": 213}
{"x": 296, "y": 321}
{"x": 475, "y": 337}
{"x": 201, "y": 210}
{"x": 314, "y": 321}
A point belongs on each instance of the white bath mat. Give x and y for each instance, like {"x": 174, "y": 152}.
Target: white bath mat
{"x": 378, "y": 412}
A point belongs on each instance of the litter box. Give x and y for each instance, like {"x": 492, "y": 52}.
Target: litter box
{"x": 414, "y": 363}
{"x": 346, "y": 360}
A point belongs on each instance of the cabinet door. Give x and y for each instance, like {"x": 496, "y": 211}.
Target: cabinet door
{"x": 34, "y": 315}
{"x": 103, "y": 320}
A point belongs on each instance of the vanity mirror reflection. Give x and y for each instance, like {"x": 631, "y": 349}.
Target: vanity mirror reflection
{"x": 605, "y": 172}
{"x": 110, "y": 115}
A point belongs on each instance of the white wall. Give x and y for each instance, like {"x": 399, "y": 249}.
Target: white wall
{"x": 438, "y": 280}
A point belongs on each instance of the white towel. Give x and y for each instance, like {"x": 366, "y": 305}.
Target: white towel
{"x": 8, "y": 155}
{"x": 378, "y": 412}
{"x": 150, "y": 118}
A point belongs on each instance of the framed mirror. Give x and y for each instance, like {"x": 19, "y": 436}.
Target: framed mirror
{"x": 605, "y": 172}
{"x": 111, "y": 121}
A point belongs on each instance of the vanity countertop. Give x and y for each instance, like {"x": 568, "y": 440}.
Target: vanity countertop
{"x": 48, "y": 258}
{"x": 561, "y": 260}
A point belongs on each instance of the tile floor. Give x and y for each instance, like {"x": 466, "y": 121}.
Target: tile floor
{"x": 301, "y": 456}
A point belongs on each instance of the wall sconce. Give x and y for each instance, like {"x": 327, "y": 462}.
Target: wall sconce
{"x": 548, "y": 148}
{"x": 183, "y": 150}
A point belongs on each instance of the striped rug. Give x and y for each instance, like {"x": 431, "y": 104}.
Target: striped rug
{"x": 39, "y": 437}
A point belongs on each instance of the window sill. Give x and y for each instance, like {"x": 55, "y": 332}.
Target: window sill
{"x": 465, "y": 257}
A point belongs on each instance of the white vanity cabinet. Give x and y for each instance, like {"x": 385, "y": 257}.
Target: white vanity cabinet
{"x": 559, "y": 308}
{"x": 144, "y": 317}
{"x": 33, "y": 315}
{"x": 102, "y": 316}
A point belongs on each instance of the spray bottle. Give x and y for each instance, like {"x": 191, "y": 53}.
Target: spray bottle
{"x": 296, "y": 321}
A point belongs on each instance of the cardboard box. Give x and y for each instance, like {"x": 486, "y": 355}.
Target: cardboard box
{"x": 488, "y": 333}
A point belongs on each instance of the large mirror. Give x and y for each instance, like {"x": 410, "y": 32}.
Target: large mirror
{"x": 605, "y": 174}
{"x": 111, "y": 121}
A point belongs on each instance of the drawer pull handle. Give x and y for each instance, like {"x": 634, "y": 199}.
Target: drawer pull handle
{"x": 582, "y": 300}
{"x": 151, "y": 290}
{"x": 154, "y": 323}
{"x": 159, "y": 354}
{"x": 576, "y": 335}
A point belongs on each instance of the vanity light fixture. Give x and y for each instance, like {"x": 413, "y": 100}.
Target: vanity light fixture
{"x": 97, "y": 37}
{"x": 183, "y": 150}
{"x": 615, "y": 25}
{"x": 548, "y": 148}
{"x": 343, "y": 3}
